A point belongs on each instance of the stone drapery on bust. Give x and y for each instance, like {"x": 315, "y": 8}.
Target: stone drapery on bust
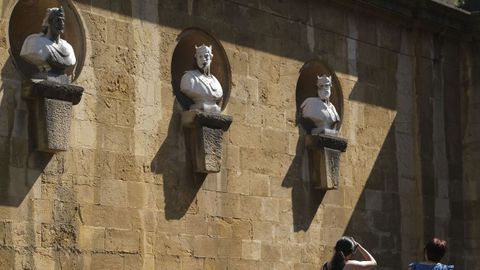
{"x": 200, "y": 85}
{"x": 47, "y": 50}
{"x": 320, "y": 110}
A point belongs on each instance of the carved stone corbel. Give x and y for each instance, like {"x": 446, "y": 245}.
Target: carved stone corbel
{"x": 49, "y": 64}
{"x": 319, "y": 96}
{"x": 324, "y": 159}
{"x": 52, "y": 108}
{"x": 204, "y": 134}
{"x": 203, "y": 95}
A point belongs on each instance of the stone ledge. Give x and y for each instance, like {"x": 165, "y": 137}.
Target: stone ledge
{"x": 332, "y": 142}
{"x": 204, "y": 136}
{"x": 433, "y": 12}
{"x": 196, "y": 118}
{"x": 54, "y": 90}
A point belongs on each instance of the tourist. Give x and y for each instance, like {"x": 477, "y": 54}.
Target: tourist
{"x": 434, "y": 251}
{"x": 345, "y": 249}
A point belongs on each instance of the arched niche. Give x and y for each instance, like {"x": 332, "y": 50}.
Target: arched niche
{"x": 183, "y": 60}
{"x": 307, "y": 87}
{"x": 26, "y": 19}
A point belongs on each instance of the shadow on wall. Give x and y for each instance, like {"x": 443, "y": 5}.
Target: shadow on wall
{"x": 376, "y": 218}
{"x": 20, "y": 164}
{"x": 409, "y": 169}
{"x": 305, "y": 198}
{"x": 226, "y": 20}
{"x": 7, "y": 106}
{"x": 180, "y": 184}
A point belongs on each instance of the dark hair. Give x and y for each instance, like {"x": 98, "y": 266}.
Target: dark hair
{"x": 344, "y": 247}
{"x": 435, "y": 249}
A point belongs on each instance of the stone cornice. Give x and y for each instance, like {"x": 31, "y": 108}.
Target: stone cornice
{"x": 431, "y": 14}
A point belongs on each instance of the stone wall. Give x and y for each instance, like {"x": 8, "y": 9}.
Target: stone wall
{"x": 467, "y": 205}
{"x": 124, "y": 197}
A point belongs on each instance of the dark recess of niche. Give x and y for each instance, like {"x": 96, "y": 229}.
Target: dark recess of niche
{"x": 307, "y": 87}
{"x": 26, "y": 19}
{"x": 183, "y": 60}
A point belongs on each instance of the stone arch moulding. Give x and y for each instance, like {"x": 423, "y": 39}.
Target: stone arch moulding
{"x": 306, "y": 87}
{"x": 26, "y": 18}
{"x": 323, "y": 146}
{"x": 182, "y": 60}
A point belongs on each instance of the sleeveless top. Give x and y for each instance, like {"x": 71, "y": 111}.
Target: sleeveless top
{"x": 438, "y": 266}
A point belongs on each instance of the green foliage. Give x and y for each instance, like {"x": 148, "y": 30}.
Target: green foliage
{"x": 460, "y": 3}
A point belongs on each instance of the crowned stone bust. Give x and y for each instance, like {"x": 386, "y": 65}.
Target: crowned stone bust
{"x": 200, "y": 85}
{"x": 48, "y": 51}
{"x": 320, "y": 110}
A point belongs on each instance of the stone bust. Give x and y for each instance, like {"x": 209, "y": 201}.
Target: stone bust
{"x": 47, "y": 50}
{"x": 320, "y": 110}
{"x": 200, "y": 85}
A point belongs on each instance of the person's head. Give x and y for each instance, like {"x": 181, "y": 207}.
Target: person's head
{"x": 324, "y": 86}
{"x": 54, "y": 21}
{"x": 435, "y": 249}
{"x": 345, "y": 248}
{"x": 203, "y": 56}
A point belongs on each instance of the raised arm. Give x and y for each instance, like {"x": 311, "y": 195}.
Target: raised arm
{"x": 368, "y": 263}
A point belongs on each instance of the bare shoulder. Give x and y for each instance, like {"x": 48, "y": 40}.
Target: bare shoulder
{"x": 359, "y": 265}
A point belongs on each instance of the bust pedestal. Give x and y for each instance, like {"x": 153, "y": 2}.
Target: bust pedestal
{"x": 52, "y": 109}
{"x": 324, "y": 159}
{"x": 204, "y": 135}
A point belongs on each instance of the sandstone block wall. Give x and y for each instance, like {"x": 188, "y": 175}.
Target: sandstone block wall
{"x": 123, "y": 196}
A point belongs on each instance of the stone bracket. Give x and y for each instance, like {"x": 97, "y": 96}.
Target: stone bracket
{"x": 52, "y": 105}
{"x": 324, "y": 160}
{"x": 52, "y": 90}
{"x": 204, "y": 135}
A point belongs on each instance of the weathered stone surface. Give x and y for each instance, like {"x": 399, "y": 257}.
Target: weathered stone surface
{"x": 52, "y": 108}
{"x": 195, "y": 118}
{"x": 124, "y": 196}
{"x": 207, "y": 149}
{"x": 332, "y": 142}
{"x": 53, "y": 124}
{"x": 122, "y": 241}
{"x": 324, "y": 160}
{"x": 53, "y": 90}
{"x": 204, "y": 133}
{"x": 7, "y": 258}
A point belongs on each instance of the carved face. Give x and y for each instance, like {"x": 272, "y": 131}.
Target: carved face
{"x": 324, "y": 90}
{"x": 204, "y": 59}
{"x": 57, "y": 24}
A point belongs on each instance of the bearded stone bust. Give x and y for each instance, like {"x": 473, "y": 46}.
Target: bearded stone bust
{"x": 47, "y": 50}
{"x": 320, "y": 110}
{"x": 200, "y": 85}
